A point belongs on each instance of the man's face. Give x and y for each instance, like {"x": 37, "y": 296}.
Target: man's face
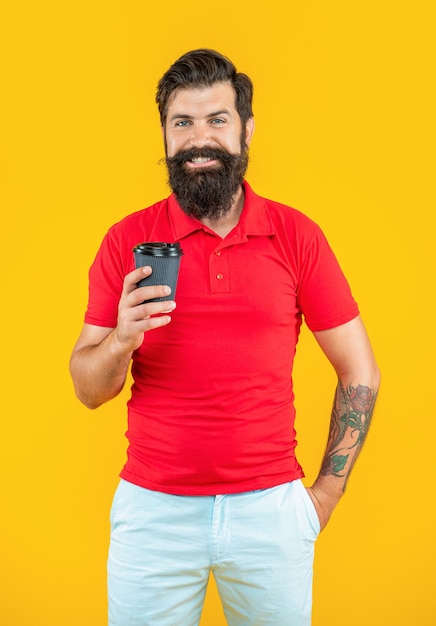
{"x": 206, "y": 149}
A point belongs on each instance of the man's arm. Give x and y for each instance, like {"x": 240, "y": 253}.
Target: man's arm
{"x": 101, "y": 356}
{"x": 349, "y": 351}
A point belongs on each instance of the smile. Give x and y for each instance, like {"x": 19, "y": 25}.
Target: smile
{"x": 201, "y": 161}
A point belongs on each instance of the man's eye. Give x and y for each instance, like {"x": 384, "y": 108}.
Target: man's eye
{"x": 218, "y": 120}
{"x": 182, "y": 123}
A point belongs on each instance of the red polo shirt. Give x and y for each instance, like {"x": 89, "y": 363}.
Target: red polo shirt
{"x": 211, "y": 409}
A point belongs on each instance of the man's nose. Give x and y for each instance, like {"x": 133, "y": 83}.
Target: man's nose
{"x": 200, "y": 136}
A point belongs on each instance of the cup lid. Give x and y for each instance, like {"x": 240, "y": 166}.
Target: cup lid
{"x": 158, "y": 248}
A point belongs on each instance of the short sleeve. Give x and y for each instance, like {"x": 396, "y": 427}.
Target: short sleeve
{"x": 324, "y": 295}
{"x": 106, "y": 277}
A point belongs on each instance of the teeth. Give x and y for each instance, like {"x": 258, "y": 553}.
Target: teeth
{"x": 201, "y": 160}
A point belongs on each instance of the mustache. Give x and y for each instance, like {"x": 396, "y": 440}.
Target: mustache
{"x": 201, "y": 153}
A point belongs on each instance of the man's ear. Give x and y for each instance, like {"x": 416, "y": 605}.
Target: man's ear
{"x": 162, "y": 128}
{"x": 249, "y": 130}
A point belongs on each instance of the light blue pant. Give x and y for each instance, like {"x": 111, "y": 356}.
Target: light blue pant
{"x": 259, "y": 546}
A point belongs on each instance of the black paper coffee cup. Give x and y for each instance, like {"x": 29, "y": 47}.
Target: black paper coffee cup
{"x": 164, "y": 259}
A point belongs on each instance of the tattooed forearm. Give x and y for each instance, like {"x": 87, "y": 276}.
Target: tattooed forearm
{"x": 351, "y": 417}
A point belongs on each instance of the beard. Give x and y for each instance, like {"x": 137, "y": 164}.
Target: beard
{"x": 207, "y": 192}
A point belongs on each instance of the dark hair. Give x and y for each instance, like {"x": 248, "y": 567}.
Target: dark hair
{"x": 204, "y": 68}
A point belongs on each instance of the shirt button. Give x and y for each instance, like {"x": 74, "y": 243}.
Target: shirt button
{"x": 219, "y": 276}
{"x": 218, "y": 253}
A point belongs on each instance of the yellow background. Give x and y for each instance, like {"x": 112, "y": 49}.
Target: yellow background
{"x": 345, "y": 114}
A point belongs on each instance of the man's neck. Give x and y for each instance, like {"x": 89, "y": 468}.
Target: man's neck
{"x": 225, "y": 224}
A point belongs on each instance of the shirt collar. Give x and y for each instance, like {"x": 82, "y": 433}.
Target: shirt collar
{"x": 255, "y": 218}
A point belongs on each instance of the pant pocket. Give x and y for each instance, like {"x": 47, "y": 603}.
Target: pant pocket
{"x": 309, "y": 507}
{"x": 115, "y": 501}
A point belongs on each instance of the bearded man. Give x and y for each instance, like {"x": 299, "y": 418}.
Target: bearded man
{"x": 212, "y": 482}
